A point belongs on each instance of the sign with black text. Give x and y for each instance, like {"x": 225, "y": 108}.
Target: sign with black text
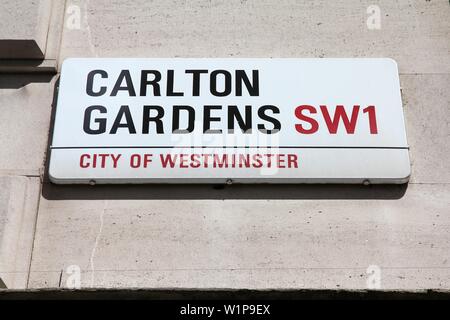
{"x": 229, "y": 121}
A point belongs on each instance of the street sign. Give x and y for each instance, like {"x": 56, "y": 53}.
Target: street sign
{"x": 229, "y": 121}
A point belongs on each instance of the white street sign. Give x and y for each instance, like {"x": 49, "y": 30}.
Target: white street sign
{"x": 229, "y": 120}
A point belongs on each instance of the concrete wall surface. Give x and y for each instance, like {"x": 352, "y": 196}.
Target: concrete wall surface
{"x": 280, "y": 236}
{"x": 25, "y": 25}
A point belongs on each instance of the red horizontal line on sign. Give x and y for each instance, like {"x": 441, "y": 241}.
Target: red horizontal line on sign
{"x": 222, "y": 147}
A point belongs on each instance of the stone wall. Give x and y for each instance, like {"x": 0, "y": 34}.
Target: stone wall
{"x": 238, "y": 236}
